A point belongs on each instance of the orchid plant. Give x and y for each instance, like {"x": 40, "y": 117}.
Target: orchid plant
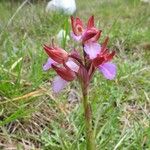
{"x": 81, "y": 65}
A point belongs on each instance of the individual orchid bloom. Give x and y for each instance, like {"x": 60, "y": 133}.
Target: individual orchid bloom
{"x": 80, "y": 33}
{"x": 101, "y": 58}
{"x": 66, "y": 70}
{"x": 104, "y": 65}
{"x": 65, "y": 66}
{"x": 91, "y": 35}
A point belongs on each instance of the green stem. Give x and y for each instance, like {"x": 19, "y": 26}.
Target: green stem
{"x": 90, "y": 141}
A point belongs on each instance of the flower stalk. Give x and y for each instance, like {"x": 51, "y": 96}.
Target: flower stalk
{"x": 90, "y": 141}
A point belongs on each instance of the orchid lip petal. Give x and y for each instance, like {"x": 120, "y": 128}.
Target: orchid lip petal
{"x": 108, "y": 70}
{"x": 58, "y": 84}
{"x": 48, "y": 64}
{"x": 92, "y": 49}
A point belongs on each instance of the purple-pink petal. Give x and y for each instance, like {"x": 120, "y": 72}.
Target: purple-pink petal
{"x": 72, "y": 65}
{"x": 75, "y": 37}
{"x": 108, "y": 70}
{"x": 92, "y": 49}
{"x": 48, "y": 64}
{"x": 58, "y": 84}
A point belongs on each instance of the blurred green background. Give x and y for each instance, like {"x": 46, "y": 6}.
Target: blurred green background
{"x": 32, "y": 117}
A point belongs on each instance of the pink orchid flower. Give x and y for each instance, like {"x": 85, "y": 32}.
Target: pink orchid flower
{"x": 100, "y": 57}
{"x": 65, "y": 66}
{"x": 88, "y": 34}
{"x": 70, "y": 66}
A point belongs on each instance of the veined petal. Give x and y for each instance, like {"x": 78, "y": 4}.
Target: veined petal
{"x": 57, "y": 54}
{"x": 58, "y": 84}
{"x": 72, "y": 65}
{"x": 65, "y": 72}
{"x": 76, "y": 37}
{"x": 73, "y": 23}
{"x": 77, "y": 25}
{"x": 91, "y": 35}
{"x": 104, "y": 45}
{"x": 98, "y": 61}
{"x": 90, "y": 23}
{"x": 48, "y": 64}
{"x": 108, "y": 70}
{"x": 92, "y": 49}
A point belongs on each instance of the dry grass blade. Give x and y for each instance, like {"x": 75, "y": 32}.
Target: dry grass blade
{"x": 36, "y": 93}
{"x": 31, "y": 94}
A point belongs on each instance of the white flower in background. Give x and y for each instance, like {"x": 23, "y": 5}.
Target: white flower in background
{"x": 145, "y": 1}
{"x": 66, "y": 6}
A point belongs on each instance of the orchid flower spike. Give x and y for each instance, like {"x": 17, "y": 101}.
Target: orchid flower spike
{"x": 71, "y": 65}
